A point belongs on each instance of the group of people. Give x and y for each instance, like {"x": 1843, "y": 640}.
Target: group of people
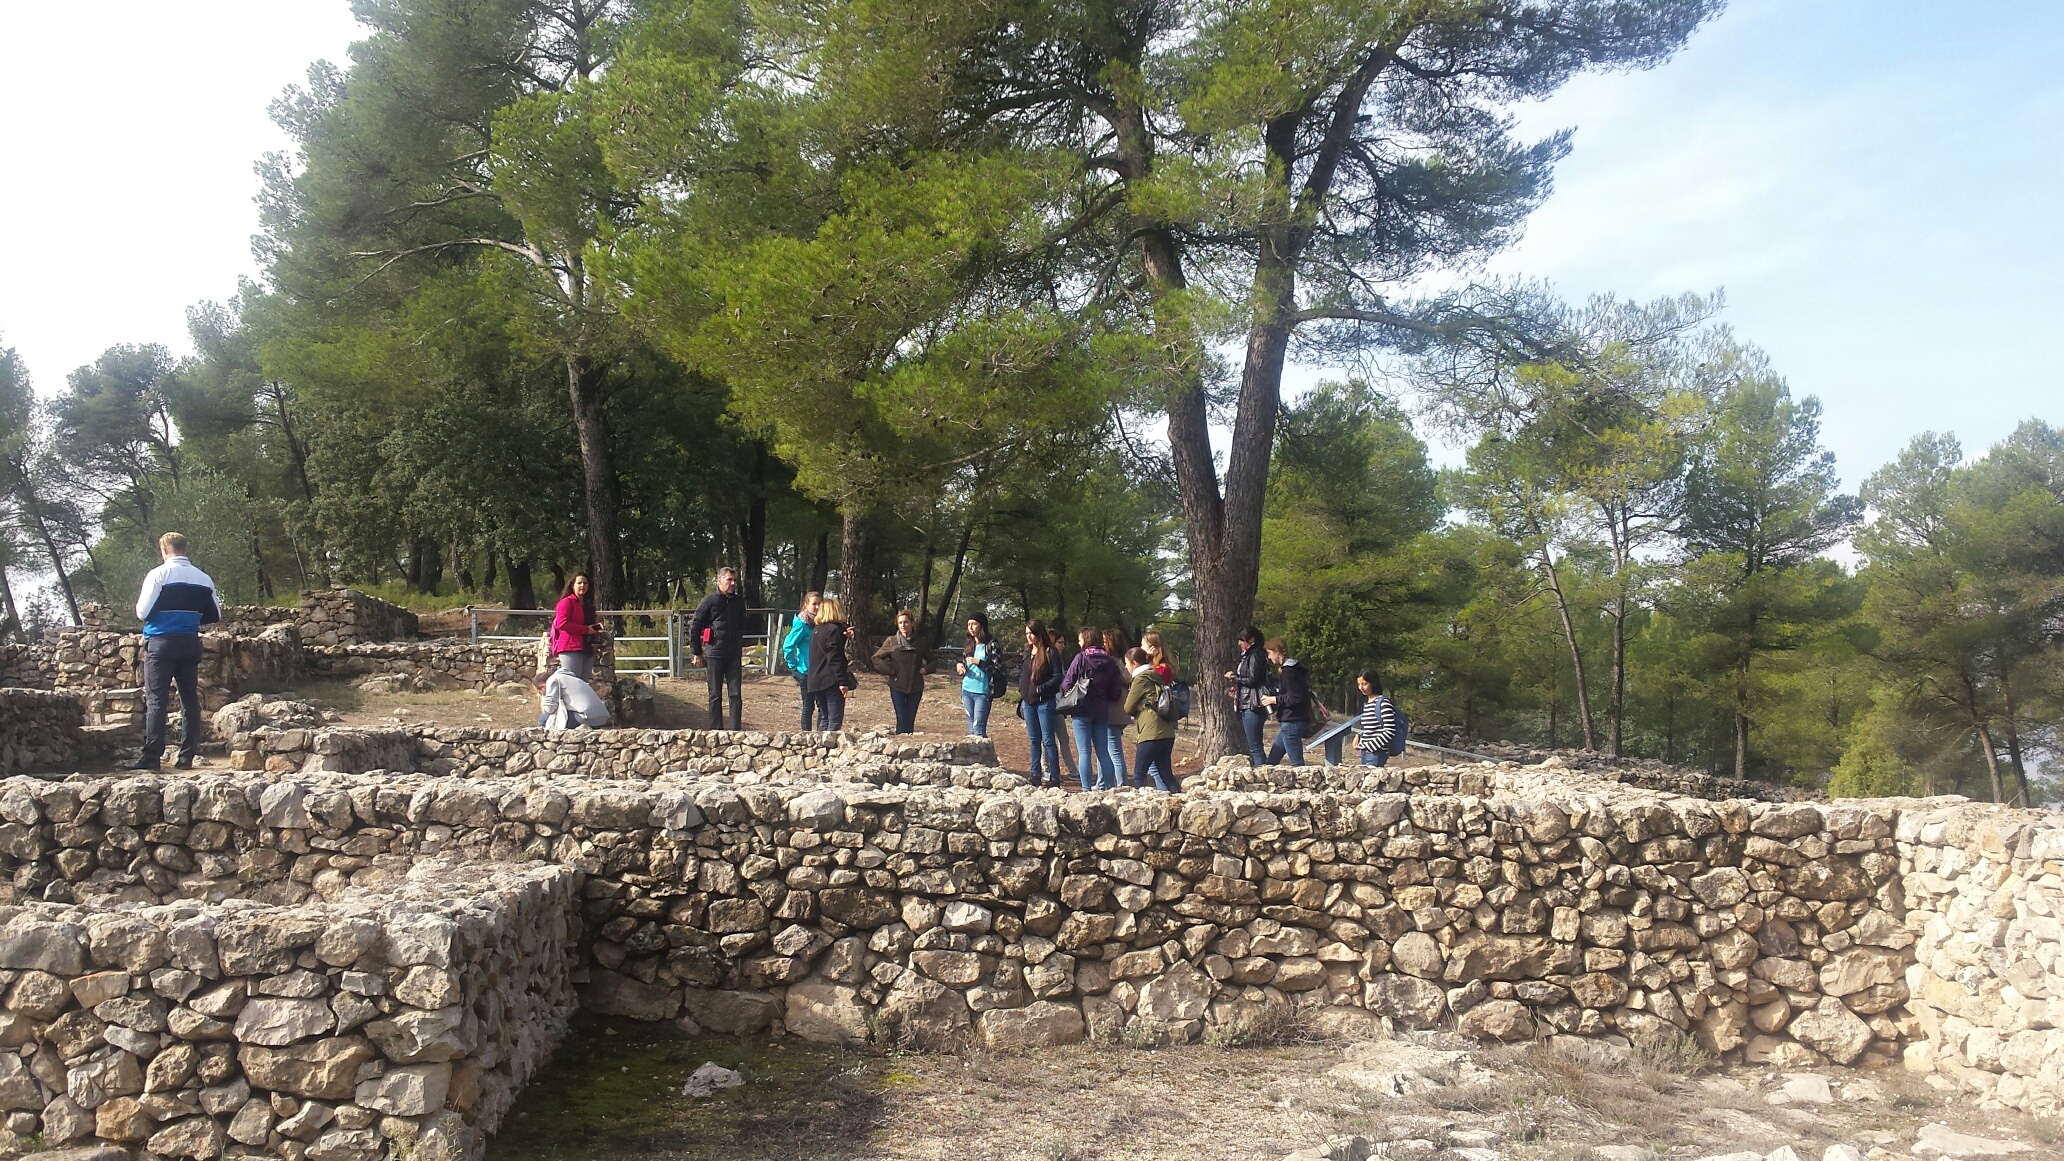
{"x": 1102, "y": 689}
{"x": 1101, "y": 695}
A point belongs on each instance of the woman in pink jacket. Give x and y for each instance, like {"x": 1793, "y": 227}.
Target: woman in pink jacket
{"x": 573, "y": 623}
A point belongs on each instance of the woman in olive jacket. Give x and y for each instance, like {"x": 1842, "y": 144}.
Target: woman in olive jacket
{"x": 1155, "y": 748}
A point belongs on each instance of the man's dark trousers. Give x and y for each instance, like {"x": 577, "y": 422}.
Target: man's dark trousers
{"x": 725, "y": 671}
{"x": 167, "y": 661}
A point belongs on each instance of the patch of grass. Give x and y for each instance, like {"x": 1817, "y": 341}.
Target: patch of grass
{"x": 2043, "y": 1130}
{"x": 1268, "y": 1026}
{"x": 1665, "y": 1060}
{"x": 614, "y": 1090}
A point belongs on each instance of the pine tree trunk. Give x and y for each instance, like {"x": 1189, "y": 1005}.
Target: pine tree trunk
{"x": 64, "y": 581}
{"x": 855, "y": 585}
{"x": 1576, "y": 651}
{"x": 820, "y": 567}
{"x": 522, "y": 593}
{"x": 1617, "y": 711}
{"x": 584, "y": 381}
{"x": 752, "y": 535}
{"x": 7, "y": 604}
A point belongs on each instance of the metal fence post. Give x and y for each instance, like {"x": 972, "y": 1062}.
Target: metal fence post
{"x": 472, "y": 626}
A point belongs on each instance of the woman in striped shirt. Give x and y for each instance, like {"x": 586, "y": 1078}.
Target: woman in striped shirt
{"x": 1374, "y": 728}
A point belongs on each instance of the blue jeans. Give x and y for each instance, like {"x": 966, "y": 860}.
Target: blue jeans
{"x": 831, "y": 709}
{"x": 1252, "y": 721}
{"x": 1369, "y": 758}
{"x": 977, "y": 707}
{"x": 809, "y": 706}
{"x": 1290, "y": 742}
{"x": 1039, "y": 732}
{"x": 1157, "y": 757}
{"x": 906, "y": 709}
{"x": 1114, "y": 738}
{"x": 171, "y": 661}
{"x": 1093, "y": 744}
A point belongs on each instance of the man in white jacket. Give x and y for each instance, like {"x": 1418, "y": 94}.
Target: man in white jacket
{"x": 570, "y": 702}
{"x": 177, "y": 599}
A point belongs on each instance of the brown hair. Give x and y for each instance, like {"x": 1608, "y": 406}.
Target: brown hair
{"x": 1157, "y": 653}
{"x": 1090, "y": 636}
{"x": 1277, "y": 645}
{"x": 1138, "y": 656}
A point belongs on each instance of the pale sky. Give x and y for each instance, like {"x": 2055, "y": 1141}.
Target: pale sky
{"x": 1872, "y": 182}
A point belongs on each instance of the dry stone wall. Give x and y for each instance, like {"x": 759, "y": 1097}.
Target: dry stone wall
{"x": 443, "y": 663}
{"x": 745, "y": 756}
{"x": 396, "y": 1017}
{"x": 103, "y": 660}
{"x": 39, "y": 730}
{"x": 346, "y": 616}
{"x": 1985, "y": 886}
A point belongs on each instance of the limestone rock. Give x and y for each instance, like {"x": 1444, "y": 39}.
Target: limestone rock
{"x": 325, "y": 1069}
{"x": 825, "y": 1013}
{"x": 1044, "y": 1024}
{"x": 609, "y": 994}
{"x": 1833, "y": 1029}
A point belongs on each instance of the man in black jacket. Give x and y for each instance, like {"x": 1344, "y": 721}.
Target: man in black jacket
{"x": 717, "y": 639}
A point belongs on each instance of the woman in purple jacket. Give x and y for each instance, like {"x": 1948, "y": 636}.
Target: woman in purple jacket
{"x": 1092, "y": 714}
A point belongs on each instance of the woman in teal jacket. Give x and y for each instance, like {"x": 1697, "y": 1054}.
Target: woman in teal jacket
{"x": 795, "y": 651}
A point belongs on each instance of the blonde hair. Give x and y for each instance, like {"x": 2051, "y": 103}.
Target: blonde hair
{"x": 173, "y": 543}
{"x": 831, "y": 609}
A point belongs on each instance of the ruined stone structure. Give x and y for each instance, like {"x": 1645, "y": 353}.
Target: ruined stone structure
{"x": 360, "y": 943}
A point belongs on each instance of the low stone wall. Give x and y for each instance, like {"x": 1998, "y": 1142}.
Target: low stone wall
{"x": 615, "y": 754}
{"x": 1766, "y": 932}
{"x": 447, "y": 664}
{"x": 1986, "y": 889}
{"x": 232, "y": 664}
{"x": 1352, "y": 778}
{"x": 398, "y": 1017}
{"x": 39, "y": 730}
{"x": 346, "y": 616}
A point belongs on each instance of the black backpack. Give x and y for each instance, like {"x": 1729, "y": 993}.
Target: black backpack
{"x": 1173, "y": 702}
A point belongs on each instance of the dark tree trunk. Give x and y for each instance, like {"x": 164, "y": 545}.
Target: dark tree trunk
{"x": 752, "y": 534}
{"x": 264, "y": 578}
{"x": 489, "y": 576}
{"x": 855, "y": 584}
{"x": 7, "y": 604}
{"x": 820, "y": 566}
{"x": 1741, "y": 719}
{"x": 960, "y": 552}
{"x": 1616, "y": 711}
{"x": 1569, "y": 636}
{"x": 2026, "y": 799}
{"x": 584, "y": 383}
{"x": 559, "y": 581}
{"x": 521, "y": 594}
{"x": 462, "y": 567}
{"x": 64, "y": 581}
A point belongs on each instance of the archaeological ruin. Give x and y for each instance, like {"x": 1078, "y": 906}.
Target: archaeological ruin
{"x": 361, "y": 943}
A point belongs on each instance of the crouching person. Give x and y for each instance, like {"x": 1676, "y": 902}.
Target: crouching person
{"x": 568, "y": 703}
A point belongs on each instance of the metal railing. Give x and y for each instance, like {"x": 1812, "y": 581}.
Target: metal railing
{"x": 671, "y": 659}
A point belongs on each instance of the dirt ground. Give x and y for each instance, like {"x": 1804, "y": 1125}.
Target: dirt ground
{"x": 614, "y": 1091}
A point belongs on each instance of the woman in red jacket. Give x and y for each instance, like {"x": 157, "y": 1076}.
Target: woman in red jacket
{"x": 573, "y": 623}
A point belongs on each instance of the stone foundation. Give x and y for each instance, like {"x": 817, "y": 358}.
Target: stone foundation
{"x": 613, "y": 754}
{"x": 102, "y": 660}
{"x": 445, "y": 664}
{"x": 396, "y": 1016}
